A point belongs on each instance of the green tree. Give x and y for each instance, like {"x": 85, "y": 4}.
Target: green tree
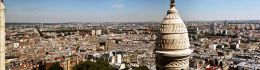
{"x": 98, "y": 65}
{"x": 55, "y": 66}
{"x": 141, "y": 68}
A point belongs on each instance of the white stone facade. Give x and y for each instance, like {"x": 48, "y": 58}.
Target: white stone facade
{"x": 172, "y": 51}
{"x": 2, "y": 36}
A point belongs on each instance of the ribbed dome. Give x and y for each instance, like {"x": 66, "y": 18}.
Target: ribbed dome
{"x": 173, "y": 32}
{"x": 172, "y": 51}
{"x": 173, "y": 23}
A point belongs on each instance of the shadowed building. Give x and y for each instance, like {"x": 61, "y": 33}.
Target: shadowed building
{"x": 2, "y": 36}
{"x": 172, "y": 46}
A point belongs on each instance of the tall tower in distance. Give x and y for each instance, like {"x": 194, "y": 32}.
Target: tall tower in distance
{"x": 2, "y": 36}
{"x": 172, "y": 46}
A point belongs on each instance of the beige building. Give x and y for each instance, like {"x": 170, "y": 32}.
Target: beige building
{"x": 172, "y": 46}
{"x": 93, "y": 33}
{"x": 98, "y": 32}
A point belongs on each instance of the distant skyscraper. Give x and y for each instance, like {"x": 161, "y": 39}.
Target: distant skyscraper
{"x": 172, "y": 46}
{"x": 2, "y": 36}
{"x": 213, "y": 28}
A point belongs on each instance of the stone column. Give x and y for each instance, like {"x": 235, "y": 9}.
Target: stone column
{"x": 2, "y": 36}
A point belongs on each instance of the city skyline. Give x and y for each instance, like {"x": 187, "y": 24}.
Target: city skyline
{"x": 125, "y": 40}
{"x": 59, "y": 11}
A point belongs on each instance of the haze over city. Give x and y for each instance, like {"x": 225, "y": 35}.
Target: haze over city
{"x": 59, "y": 11}
{"x": 129, "y": 35}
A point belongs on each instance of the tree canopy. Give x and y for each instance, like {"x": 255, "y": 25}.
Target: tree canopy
{"x": 55, "y": 66}
{"x": 141, "y": 68}
{"x": 98, "y": 65}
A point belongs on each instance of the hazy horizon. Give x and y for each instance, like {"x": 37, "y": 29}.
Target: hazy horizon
{"x": 62, "y": 11}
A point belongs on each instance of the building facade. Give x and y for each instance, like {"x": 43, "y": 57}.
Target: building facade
{"x": 172, "y": 46}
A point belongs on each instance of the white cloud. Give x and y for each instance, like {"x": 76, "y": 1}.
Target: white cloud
{"x": 118, "y": 4}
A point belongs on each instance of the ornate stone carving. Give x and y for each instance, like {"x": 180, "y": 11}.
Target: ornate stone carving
{"x": 172, "y": 49}
{"x": 173, "y": 28}
{"x": 174, "y": 44}
{"x": 178, "y": 64}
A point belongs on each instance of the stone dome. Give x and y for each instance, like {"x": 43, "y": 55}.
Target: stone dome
{"x": 172, "y": 46}
{"x": 173, "y": 32}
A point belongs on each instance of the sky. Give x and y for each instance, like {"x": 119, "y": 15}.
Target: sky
{"x": 60, "y": 11}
